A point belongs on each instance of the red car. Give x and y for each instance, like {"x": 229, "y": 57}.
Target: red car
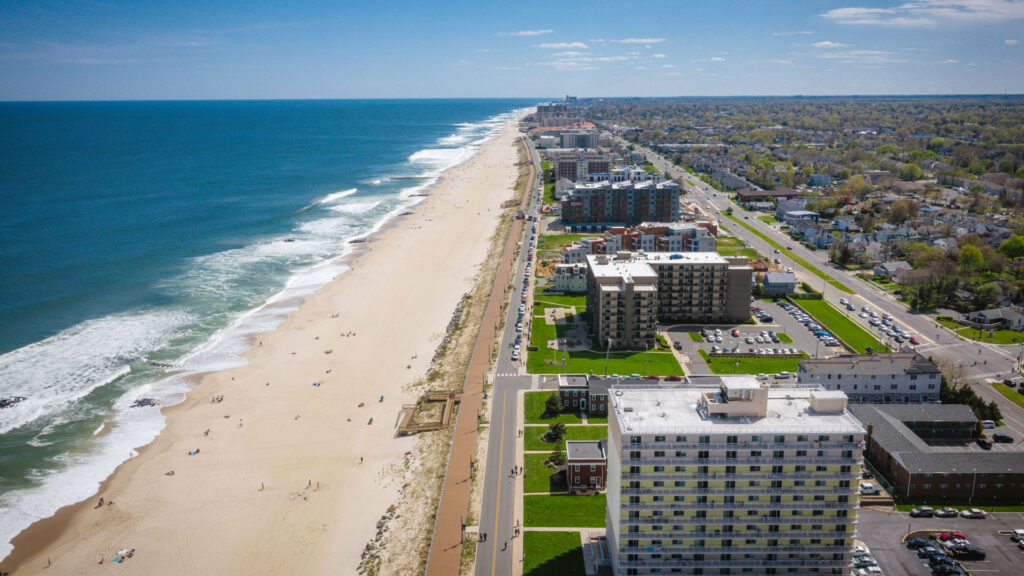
{"x": 914, "y": 340}
{"x": 954, "y": 535}
{"x": 650, "y": 377}
{"x": 673, "y": 378}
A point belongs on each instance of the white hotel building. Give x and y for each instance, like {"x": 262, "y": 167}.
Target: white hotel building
{"x": 733, "y": 478}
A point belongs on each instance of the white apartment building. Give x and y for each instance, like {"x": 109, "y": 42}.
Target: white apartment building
{"x": 899, "y": 378}
{"x": 569, "y": 278}
{"x": 731, "y": 477}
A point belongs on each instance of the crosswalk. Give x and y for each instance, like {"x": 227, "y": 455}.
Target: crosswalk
{"x": 506, "y": 374}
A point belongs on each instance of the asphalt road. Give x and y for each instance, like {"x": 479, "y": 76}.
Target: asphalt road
{"x": 978, "y": 362}
{"x": 497, "y": 514}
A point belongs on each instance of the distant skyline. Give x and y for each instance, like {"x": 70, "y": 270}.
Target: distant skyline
{"x": 59, "y": 50}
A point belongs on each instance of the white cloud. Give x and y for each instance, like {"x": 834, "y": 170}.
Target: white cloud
{"x": 861, "y": 57}
{"x": 462, "y": 62}
{"x": 484, "y": 50}
{"x": 569, "y": 65}
{"x": 717, "y": 59}
{"x": 668, "y": 65}
{"x": 658, "y": 56}
{"x": 570, "y": 54}
{"x": 1011, "y": 42}
{"x": 641, "y": 67}
{"x": 526, "y": 33}
{"x": 780, "y": 61}
{"x": 561, "y": 45}
{"x": 795, "y": 33}
{"x": 929, "y": 13}
{"x": 641, "y": 40}
{"x": 828, "y": 44}
{"x": 505, "y": 68}
{"x": 950, "y": 61}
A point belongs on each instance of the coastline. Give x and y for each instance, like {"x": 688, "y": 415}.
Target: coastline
{"x": 276, "y": 429}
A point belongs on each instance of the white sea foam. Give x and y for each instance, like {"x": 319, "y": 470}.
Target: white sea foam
{"x": 97, "y": 352}
{"x": 355, "y": 207}
{"x": 331, "y": 198}
{"x": 54, "y": 373}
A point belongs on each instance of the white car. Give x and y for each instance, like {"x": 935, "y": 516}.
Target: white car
{"x": 1017, "y": 535}
{"x": 844, "y": 301}
{"x": 867, "y": 488}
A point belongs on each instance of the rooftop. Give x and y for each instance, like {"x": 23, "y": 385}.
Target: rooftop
{"x": 585, "y": 449}
{"x": 652, "y": 411}
{"x": 916, "y": 455}
{"x": 907, "y": 363}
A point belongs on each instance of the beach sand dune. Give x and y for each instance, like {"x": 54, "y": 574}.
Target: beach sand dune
{"x": 291, "y": 477}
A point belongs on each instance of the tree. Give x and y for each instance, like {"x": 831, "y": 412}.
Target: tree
{"x": 970, "y": 258}
{"x": 911, "y": 172}
{"x": 553, "y": 405}
{"x": 985, "y": 296}
{"x": 856, "y": 186}
{"x": 556, "y": 431}
{"x": 557, "y": 456}
{"x": 1013, "y": 247}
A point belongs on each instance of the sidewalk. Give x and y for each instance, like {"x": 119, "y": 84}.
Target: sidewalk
{"x": 445, "y": 554}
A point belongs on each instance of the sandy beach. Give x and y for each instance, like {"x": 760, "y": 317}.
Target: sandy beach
{"x": 286, "y": 473}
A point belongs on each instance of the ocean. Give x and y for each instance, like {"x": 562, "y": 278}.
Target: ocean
{"x": 145, "y": 242}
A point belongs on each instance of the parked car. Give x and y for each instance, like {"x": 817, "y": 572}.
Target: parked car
{"x": 922, "y": 512}
{"x": 968, "y": 553}
{"x": 985, "y": 443}
{"x": 988, "y": 424}
{"x": 1017, "y": 535}
{"x": 867, "y": 488}
{"x": 673, "y": 378}
{"x": 973, "y": 513}
{"x": 1002, "y": 438}
{"x": 946, "y": 513}
{"x": 916, "y": 543}
{"x": 914, "y": 340}
{"x": 952, "y": 535}
{"x": 864, "y": 562}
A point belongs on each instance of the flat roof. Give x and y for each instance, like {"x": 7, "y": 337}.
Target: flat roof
{"x": 654, "y": 411}
{"x": 585, "y": 449}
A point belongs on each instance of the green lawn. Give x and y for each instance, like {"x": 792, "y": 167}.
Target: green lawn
{"x": 1010, "y": 393}
{"x": 532, "y": 441}
{"x": 565, "y": 510}
{"x": 696, "y": 337}
{"x": 534, "y": 402}
{"x": 836, "y": 322}
{"x": 814, "y": 270}
{"x": 552, "y": 554}
{"x": 549, "y": 193}
{"x": 559, "y": 300}
{"x": 767, "y": 219}
{"x": 624, "y": 362}
{"x": 559, "y": 241}
{"x": 751, "y": 365}
{"x": 538, "y": 477}
{"x": 784, "y": 338}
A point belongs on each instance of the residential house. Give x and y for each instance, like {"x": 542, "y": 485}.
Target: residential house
{"x": 1009, "y": 318}
{"x": 778, "y": 283}
{"x": 586, "y": 464}
{"x": 887, "y": 269}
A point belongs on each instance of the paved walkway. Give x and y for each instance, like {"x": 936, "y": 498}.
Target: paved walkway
{"x": 446, "y": 546}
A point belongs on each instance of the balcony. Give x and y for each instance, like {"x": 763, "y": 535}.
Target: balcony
{"x": 792, "y": 461}
{"x": 746, "y": 491}
{"x": 805, "y": 505}
{"x": 805, "y": 445}
{"x": 762, "y": 476}
{"x": 739, "y": 521}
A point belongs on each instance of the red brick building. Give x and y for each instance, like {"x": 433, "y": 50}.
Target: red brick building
{"x": 627, "y": 203}
{"x": 586, "y": 465}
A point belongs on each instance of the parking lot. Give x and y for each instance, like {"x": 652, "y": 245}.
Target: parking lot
{"x": 883, "y": 533}
{"x": 782, "y": 322}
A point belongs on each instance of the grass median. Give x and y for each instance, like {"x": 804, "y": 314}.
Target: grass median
{"x": 837, "y": 323}
{"x": 782, "y": 249}
{"x": 750, "y": 365}
{"x": 1011, "y": 394}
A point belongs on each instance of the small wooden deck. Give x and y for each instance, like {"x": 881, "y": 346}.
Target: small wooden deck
{"x": 405, "y": 425}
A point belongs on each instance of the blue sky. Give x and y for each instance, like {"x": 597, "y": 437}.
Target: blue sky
{"x": 89, "y": 50}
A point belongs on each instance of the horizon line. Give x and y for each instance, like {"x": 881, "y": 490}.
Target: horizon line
{"x": 545, "y": 99}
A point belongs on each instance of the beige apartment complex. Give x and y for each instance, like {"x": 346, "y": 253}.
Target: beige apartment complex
{"x": 629, "y": 293}
{"x": 731, "y": 478}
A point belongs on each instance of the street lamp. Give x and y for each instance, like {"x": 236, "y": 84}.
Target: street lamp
{"x": 974, "y": 478}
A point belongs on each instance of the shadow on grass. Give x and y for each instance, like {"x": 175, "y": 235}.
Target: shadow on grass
{"x": 553, "y": 554}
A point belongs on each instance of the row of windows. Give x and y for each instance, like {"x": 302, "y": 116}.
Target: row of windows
{"x": 732, "y": 514}
{"x": 729, "y": 499}
{"x": 730, "y": 484}
{"x": 778, "y": 439}
{"x": 733, "y": 454}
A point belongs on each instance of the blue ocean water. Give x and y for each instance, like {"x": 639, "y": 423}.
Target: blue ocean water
{"x": 141, "y": 235}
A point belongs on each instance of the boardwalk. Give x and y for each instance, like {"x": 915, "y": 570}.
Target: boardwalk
{"x": 446, "y": 546}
